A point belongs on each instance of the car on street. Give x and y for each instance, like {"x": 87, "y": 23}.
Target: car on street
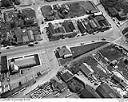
{"x": 31, "y": 44}
{"x": 125, "y": 30}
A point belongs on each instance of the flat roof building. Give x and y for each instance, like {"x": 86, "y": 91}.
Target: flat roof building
{"x": 4, "y": 67}
{"x": 27, "y": 61}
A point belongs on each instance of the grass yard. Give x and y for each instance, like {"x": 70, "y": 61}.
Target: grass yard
{"x": 111, "y": 53}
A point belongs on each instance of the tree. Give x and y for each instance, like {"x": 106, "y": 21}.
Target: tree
{"x": 16, "y": 2}
{"x": 12, "y": 25}
{"x": 109, "y": 3}
{"x": 6, "y": 3}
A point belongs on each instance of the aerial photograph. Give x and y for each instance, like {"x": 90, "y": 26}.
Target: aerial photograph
{"x": 63, "y": 49}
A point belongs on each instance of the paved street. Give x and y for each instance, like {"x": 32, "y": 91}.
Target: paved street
{"x": 54, "y": 44}
{"x": 49, "y": 47}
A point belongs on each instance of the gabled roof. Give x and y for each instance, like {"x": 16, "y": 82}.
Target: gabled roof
{"x": 89, "y": 92}
{"x": 105, "y": 91}
{"x": 86, "y": 69}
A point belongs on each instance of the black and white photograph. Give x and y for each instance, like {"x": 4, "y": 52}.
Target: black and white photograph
{"x": 64, "y": 49}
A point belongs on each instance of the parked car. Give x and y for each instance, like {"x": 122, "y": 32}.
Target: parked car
{"x": 125, "y": 30}
{"x": 31, "y": 44}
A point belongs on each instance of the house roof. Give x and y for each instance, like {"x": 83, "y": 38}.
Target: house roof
{"x": 119, "y": 80}
{"x": 75, "y": 85}
{"x": 51, "y": 29}
{"x": 81, "y": 27}
{"x": 18, "y": 33}
{"x": 105, "y": 91}
{"x": 63, "y": 51}
{"x": 66, "y": 26}
{"x": 112, "y": 11}
{"x": 88, "y": 92}
{"x": 58, "y": 85}
{"x": 66, "y": 76}
{"x": 85, "y": 69}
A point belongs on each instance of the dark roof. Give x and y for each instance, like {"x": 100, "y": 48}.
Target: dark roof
{"x": 4, "y": 68}
{"x": 125, "y": 30}
{"x": 37, "y": 59}
{"x": 66, "y": 76}
{"x": 118, "y": 80}
{"x": 75, "y": 85}
{"x": 59, "y": 30}
{"x": 68, "y": 25}
{"x": 81, "y": 27}
{"x": 113, "y": 12}
{"x": 110, "y": 68}
{"x": 79, "y": 50}
{"x": 65, "y": 24}
{"x": 51, "y": 28}
{"x": 88, "y": 92}
{"x": 58, "y": 85}
{"x": 105, "y": 91}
